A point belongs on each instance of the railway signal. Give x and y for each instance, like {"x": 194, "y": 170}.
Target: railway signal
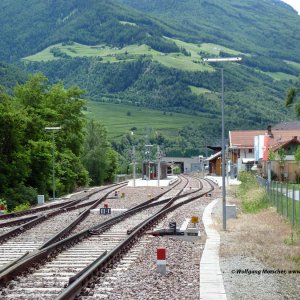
{"x": 161, "y": 261}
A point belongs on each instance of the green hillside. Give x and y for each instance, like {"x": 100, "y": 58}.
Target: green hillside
{"x": 125, "y": 54}
{"x": 29, "y": 29}
{"x": 150, "y": 53}
{"x": 10, "y": 75}
{"x": 121, "y": 119}
{"x": 248, "y": 26}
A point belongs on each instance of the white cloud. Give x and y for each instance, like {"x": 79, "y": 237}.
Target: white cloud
{"x": 294, "y": 3}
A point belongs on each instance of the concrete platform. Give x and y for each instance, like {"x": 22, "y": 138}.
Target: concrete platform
{"x": 163, "y": 182}
{"x": 211, "y": 279}
{"x": 218, "y": 180}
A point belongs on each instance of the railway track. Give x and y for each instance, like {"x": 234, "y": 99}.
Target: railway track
{"x": 54, "y": 229}
{"x": 108, "y": 239}
{"x": 22, "y": 215}
{"x": 19, "y": 240}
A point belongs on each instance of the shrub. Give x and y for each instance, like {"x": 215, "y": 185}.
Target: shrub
{"x": 22, "y": 207}
{"x": 253, "y": 198}
{"x": 20, "y": 195}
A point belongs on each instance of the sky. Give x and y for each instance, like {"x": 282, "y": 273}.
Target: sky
{"x": 294, "y": 3}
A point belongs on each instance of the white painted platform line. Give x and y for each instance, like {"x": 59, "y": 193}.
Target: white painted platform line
{"x": 211, "y": 279}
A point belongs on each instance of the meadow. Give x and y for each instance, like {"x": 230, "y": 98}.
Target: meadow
{"x": 191, "y": 62}
{"x": 120, "y": 119}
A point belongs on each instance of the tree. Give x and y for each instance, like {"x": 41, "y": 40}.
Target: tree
{"x": 98, "y": 157}
{"x": 292, "y": 94}
{"x": 271, "y": 155}
{"x": 26, "y": 148}
{"x": 281, "y": 154}
{"x": 297, "y": 154}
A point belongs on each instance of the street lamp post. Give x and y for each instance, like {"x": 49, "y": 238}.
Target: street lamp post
{"x": 148, "y": 153}
{"x": 158, "y": 156}
{"x": 216, "y": 60}
{"x": 134, "y": 165}
{"x": 53, "y": 129}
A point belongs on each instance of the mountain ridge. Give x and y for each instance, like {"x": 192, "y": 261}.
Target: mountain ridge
{"x": 151, "y": 55}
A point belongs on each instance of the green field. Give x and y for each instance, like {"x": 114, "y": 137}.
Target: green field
{"x": 293, "y": 64}
{"x": 112, "y": 55}
{"x": 199, "y": 91}
{"x": 120, "y": 119}
{"x": 281, "y": 76}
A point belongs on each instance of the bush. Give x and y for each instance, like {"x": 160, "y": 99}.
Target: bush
{"x": 253, "y": 198}
{"x": 20, "y": 195}
{"x": 22, "y": 207}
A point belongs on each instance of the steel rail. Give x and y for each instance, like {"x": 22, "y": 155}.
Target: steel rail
{"x": 17, "y": 221}
{"x": 7, "y": 235}
{"x": 51, "y": 206}
{"x": 60, "y": 235}
{"x": 101, "y": 265}
{"x": 52, "y": 250}
{"x": 83, "y": 215}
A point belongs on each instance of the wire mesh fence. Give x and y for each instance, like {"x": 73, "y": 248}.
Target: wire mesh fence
{"x": 284, "y": 197}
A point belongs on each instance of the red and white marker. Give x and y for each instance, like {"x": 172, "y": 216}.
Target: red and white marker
{"x": 161, "y": 260}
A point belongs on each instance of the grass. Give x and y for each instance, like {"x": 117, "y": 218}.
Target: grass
{"x": 264, "y": 235}
{"x": 280, "y": 76}
{"x": 127, "y": 23}
{"x": 109, "y": 54}
{"x": 199, "y": 91}
{"x": 215, "y": 49}
{"x": 294, "y": 64}
{"x": 284, "y": 206}
{"x": 115, "y": 117}
{"x": 253, "y": 198}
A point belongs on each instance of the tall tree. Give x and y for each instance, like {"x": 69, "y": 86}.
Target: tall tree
{"x": 25, "y": 146}
{"x": 98, "y": 156}
{"x": 291, "y": 98}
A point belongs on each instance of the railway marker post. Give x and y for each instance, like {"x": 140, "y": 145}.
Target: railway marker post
{"x": 161, "y": 260}
{"x": 105, "y": 210}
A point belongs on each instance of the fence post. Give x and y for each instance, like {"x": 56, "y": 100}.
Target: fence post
{"x": 277, "y": 206}
{"x": 299, "y": 207}
{"x": 281, "y": 204}
{"x": 293, "y": 206}
{"x": 272, "y": 192}
{"x": 287, "y": 200}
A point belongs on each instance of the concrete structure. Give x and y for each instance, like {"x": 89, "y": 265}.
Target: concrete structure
{"x": 151, "y": 167}
{"x": 186, "y": 164}
{"x": 211, "y": 279}
{"x": 163, "y": 182}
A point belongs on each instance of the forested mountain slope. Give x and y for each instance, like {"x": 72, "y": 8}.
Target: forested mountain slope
{"x": 150, "y": 53}
{"x": 27, "y": 27}
{"x": 268, "y": 27}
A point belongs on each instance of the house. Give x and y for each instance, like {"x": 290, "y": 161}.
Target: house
{"x": 215, "y": 163}
{"x": 292, "y": 125}
{"x": 285, "y": 168}
{"x": 241, "y": 148}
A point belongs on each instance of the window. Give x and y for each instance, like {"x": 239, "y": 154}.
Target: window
{"x": 249, "y": 165}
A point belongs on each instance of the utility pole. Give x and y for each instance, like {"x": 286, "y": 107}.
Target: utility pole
{"x": 148, "y": 156}
{"x": 218, "y": 60}
{"x": 158, "y": 156}
{"x": 53, "y": 129}
{"x": 134, "y": 165}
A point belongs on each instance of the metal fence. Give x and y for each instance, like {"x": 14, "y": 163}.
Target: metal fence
{"x": 285, "y": 197}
